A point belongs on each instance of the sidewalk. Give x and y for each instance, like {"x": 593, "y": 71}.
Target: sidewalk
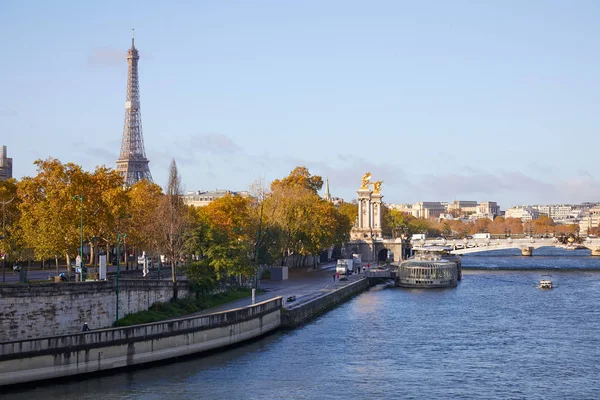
{"x": 304, "y": 283}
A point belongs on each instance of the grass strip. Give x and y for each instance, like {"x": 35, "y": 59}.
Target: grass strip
{"x": 182, "y": 307}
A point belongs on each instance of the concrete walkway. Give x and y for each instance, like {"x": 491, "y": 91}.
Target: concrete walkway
{"x": 304, "y": 283}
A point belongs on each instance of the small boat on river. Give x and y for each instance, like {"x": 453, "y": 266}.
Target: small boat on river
{"x": 546, "y": 282}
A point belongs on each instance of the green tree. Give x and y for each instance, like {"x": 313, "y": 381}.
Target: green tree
{"x": 394, "y": 222}
{"x": 349, "y": 211}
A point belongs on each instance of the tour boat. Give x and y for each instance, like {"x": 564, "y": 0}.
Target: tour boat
{"x": 427, "y": 269}
{"x": 546, "y": 282}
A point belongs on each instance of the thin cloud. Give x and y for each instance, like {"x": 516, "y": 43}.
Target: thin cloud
{"x": 100, "y": 153}
{"x": 213, "y": 143}
{"x": 107, "y": 57}
{"x": 513, "y": 184}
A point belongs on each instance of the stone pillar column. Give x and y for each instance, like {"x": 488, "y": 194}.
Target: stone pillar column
{"x": 527, "y": 251}
{"x": 376, "y": 214}
{"x": 364, "y": 212}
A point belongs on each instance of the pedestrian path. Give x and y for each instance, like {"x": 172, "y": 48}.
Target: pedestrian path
{"x": 303, "y": 283}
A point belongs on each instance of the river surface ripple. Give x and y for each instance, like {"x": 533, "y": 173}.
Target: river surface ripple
{"x": 496, "y": 336}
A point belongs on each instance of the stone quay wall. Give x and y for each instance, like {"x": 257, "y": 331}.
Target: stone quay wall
{"x": 85, "y": 352}
{"x": 48, "y": 309}
{"x": 295, "y": 315}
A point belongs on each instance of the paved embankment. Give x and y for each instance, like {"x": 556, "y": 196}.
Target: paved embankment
{"x": 314, "y": 291}
{"x": 59, "y": 356}
{"x": 309, "y": 307}
{"x": 303, "y": 283}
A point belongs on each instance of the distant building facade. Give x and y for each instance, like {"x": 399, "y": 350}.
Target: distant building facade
{"x": 428, "y": 209}
{"x": 488, "y": 208}
{"x": 463, "y": 207}
{"x": 6, "y": 165}
{"x": 590, "y": 220}
{"x": 201, "y": 199}
{"x": 457, "y": 208}
{"x": 524, "y": 213}
{"x": 404, "y": 208}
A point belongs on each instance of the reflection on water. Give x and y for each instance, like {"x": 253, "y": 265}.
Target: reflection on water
{"x": 494, "y": 336}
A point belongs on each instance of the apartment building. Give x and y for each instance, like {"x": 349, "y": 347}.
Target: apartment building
{"x": 5, "y": 165}
{"x": 201, "y": 199}
{"x": 525, "y": 213}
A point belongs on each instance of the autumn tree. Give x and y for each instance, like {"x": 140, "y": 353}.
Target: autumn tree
{"x": 105, "y": 202}
{"x": 230, "y": 236}
{"x": 11, "y": 243}
{"x": 50, "y": 215}
{"x": 480, "y": 225}
{"x": 172, "y": 220}
{"x": 543, "y": 225}
{"x": 302, "y": 216}
{"x": 300, "y": 177}
{"x": 144, "y": 200}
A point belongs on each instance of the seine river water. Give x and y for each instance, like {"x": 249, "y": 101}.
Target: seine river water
{"x": 495, "y": 336}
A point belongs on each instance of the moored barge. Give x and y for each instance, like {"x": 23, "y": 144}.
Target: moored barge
{"x": 427, "y": 270}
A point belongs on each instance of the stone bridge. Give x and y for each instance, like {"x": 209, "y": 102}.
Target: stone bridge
{"x": 526, "y": 245}
{"x": 375, "y": 249}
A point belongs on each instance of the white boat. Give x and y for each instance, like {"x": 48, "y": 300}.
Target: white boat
{"x": 546, "y": 282}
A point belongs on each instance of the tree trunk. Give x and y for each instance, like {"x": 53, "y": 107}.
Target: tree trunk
{"x": 56, "y": 260}
{"x": 68, "y": 266}
{"x": 173, "y": 275}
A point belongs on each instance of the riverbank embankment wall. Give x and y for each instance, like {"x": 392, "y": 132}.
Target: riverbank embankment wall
{"x": 60, "y": 356}
{"x": 298, "y": 314}
{"x": 47, "y": 309}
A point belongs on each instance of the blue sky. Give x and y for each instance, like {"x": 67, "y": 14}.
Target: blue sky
{"x": 442, "y": 100}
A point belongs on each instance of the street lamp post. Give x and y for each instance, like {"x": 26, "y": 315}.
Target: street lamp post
{"x": 118, "y": 271}
{"x": 3, "y": 256}
{"x": 80, "y": 198}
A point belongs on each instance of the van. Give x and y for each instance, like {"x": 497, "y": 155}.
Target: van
{"x": 343, "y": 267}
{"x": 419, "y": 236}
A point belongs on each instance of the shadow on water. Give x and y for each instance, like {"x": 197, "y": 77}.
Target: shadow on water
{"x": 113, "y": 384}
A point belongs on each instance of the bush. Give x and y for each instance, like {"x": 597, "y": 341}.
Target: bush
{"x": 266, "y": 275}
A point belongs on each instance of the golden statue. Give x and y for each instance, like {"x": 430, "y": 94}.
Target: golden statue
{"x": 377, "y": 187}
{"x": 366, "y": 181}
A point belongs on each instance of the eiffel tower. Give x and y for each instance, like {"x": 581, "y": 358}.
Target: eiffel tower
{"x": 132, "y": 163}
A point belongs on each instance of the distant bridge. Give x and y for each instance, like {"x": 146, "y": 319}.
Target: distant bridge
{"x": 526, "y": 245}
